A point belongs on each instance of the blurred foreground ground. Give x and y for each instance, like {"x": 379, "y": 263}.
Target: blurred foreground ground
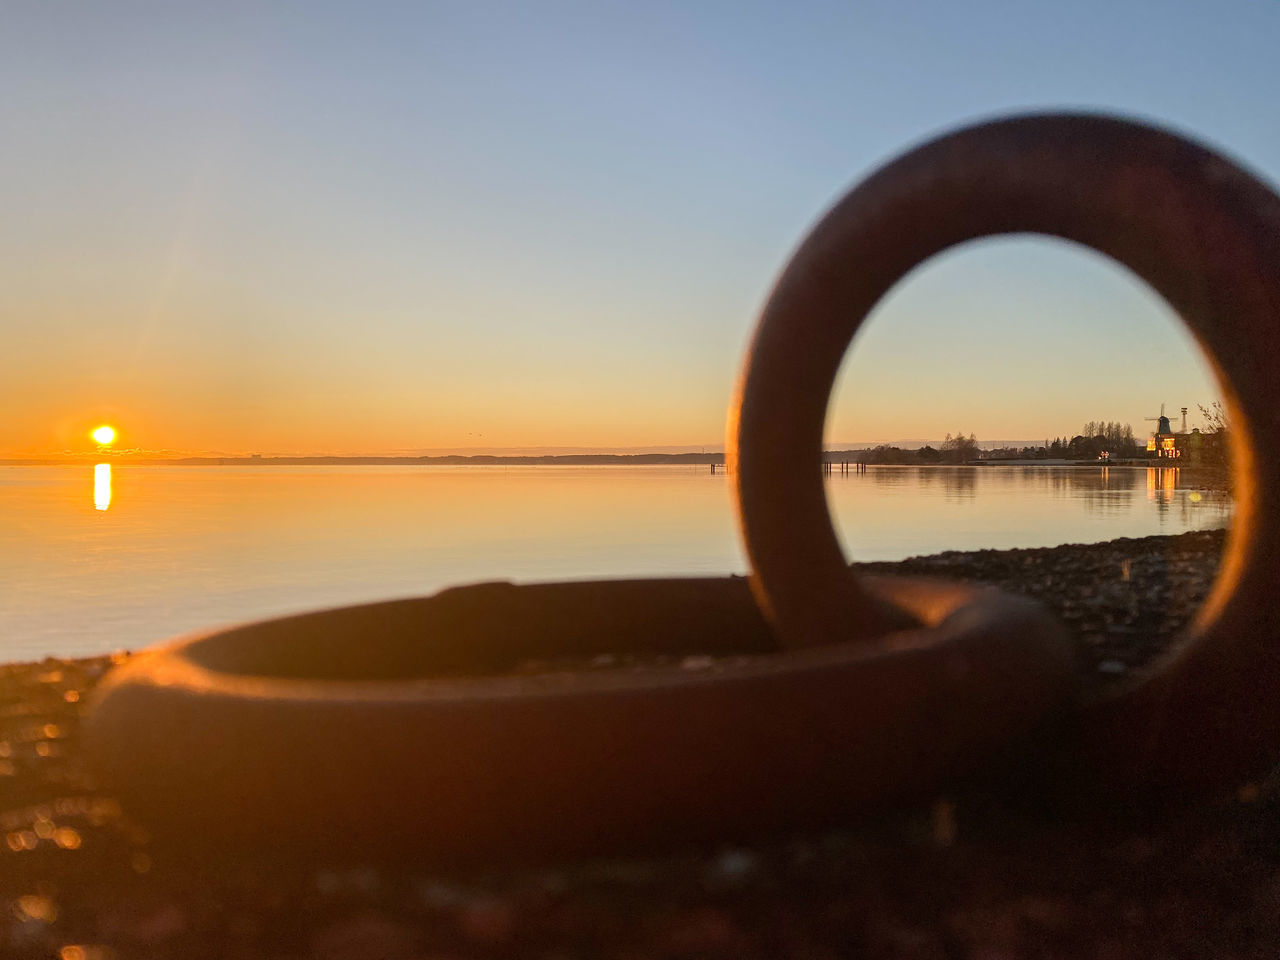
{"x": 981, "y": 872}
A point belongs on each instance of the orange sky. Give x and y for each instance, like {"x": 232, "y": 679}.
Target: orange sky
{"x": 1081, "y": 340}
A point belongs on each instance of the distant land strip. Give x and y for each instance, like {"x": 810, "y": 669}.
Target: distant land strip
{"x": 564, "y": 459}
{"x": 560, "y": 459}
{"x": 512, "y": 460}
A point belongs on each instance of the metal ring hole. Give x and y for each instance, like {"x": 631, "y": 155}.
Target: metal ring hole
{"x": 1025, "y": 340}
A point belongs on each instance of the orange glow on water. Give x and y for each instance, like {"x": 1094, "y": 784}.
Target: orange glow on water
{"x": 167, "y": 549}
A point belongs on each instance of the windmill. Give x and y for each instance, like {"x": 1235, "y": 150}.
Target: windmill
{"x": 1162, "y": 422}
{"x": 1163, "y": 442}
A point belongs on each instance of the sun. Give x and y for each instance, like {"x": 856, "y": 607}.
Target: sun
{"x": 104, "y": 435}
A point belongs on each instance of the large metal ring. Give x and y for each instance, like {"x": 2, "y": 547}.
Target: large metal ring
{"x": 1201, "y": 231}
{"x": 399, "y": 729}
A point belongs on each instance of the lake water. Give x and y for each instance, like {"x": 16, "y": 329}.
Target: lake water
{"x": 97, "y": 559}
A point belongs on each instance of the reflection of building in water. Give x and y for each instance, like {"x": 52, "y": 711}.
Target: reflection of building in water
{"x": 1195, "y": 508}
{"x": 102, "y": 486}
{"x": 1161, "y": 483}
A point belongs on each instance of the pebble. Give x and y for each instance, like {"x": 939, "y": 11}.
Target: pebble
{"x": 733, "y": 868}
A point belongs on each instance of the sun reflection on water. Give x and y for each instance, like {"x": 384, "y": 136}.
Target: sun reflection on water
{"x": 102, "y": 486}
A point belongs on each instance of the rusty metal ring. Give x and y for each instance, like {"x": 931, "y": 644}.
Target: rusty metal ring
{"x": 1204, "y": 233}
{"x": 399, "y": 730}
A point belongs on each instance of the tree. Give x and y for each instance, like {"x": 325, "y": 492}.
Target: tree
{"x": 1098, "y": 435}
{"x": 1082, "y": 447}
{"x": 960, "y": 449}
{"x": 1215, "y": 417}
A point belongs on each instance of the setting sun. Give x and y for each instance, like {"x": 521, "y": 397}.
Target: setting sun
{"x": 104, "y": 435}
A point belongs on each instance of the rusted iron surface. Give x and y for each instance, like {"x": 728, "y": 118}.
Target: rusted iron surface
{"x": 398, "y": 729}
{"x": 1204, "y": 233}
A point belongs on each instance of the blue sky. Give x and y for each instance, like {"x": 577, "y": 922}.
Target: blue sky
{"x": 383, "y": 227}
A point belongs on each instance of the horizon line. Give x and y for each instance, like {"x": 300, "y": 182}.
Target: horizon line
{"x": 672, "y": 451}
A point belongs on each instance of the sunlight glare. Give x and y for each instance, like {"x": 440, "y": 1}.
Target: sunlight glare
{"x": 102, "y": 486}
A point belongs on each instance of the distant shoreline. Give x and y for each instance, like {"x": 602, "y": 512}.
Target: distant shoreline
{"x": 563, "y": 459}
{"x": 568, "y": 459}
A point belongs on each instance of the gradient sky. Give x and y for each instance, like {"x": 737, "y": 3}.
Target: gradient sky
{"x": 380, "y": 228}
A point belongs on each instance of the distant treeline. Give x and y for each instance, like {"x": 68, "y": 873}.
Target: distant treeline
{"x": 1098, "y": 437}
{"x": 1114, "y": 439}
{"x": 954, "y": 449}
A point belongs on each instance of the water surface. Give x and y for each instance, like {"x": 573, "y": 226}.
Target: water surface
{"x": 95, "y": 559}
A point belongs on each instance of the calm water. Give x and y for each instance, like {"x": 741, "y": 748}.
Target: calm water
{"x": 93, "y": 560}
